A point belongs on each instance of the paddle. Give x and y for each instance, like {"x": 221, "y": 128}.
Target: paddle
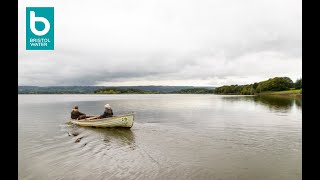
{"x": 94, "y": 117}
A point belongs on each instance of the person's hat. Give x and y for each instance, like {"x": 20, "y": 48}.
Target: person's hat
{"x": 107, "y": 106}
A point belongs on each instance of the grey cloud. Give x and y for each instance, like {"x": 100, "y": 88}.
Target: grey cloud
{"x": 213, "y": 42}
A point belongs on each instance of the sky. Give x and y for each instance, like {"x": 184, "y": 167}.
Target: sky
{"x": 164, "y": 42}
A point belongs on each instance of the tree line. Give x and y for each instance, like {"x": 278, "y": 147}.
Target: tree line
{"x": 140, "y": 91}
{"x": 272, "y": 84}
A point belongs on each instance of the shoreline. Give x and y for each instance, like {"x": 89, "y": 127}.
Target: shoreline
{"x": 270, "y": 93}
{"x": 295, "y": 93}
{"x": 291, "y": 93}
{"x": 282, "y": 95}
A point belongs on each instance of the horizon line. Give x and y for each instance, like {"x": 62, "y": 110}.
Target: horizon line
{"x": 114, "y": 86}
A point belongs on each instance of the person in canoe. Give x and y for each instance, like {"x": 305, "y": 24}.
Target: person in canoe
{"x": 76, "y": 114}
{"x": 107, "y": 112}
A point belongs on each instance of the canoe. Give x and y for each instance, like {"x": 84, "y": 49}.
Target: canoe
{"x": 114, "y": 121}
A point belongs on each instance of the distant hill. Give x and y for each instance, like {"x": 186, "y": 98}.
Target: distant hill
{"x": 92, "y": 89}
{"x": 57, "y": 89}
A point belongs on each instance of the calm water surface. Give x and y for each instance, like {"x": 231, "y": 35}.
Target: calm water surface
{"x": 173, "y": 137}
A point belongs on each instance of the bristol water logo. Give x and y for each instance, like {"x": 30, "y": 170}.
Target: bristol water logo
{"x": 40, "y": 28}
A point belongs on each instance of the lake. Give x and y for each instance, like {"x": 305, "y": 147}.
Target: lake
{"x": 173, "y": 137}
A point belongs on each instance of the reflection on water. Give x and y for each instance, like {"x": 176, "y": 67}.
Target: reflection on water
{"x": 272, "y": 102}
{"x": 275, "y": 102}
{"x": 298, "y": 101}
{"x": 121, "y": 136}
{"x": 173, "y": 137}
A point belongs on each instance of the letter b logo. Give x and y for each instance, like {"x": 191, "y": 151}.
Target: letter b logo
{"x": 40, "y": 28}
{"x": 34, "y": 19}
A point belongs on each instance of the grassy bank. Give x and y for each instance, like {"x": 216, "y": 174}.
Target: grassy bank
{"x": 293, "y": 92}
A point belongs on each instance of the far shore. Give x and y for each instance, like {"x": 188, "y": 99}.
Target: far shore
{"x": 276, "y": 93}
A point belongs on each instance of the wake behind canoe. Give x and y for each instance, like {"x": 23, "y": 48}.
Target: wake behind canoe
{"x": 114, "y": 121}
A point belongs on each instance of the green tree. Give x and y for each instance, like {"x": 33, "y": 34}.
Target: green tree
{"x": 298, "y": 84}
{"x": 272, "y": 84}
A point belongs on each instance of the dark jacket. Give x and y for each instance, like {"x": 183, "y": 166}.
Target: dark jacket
{"x": 76, "y": 114}
{"x": 106, "y": 113}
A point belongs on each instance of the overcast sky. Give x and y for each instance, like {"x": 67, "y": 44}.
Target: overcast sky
{"x": 165, "y": 42}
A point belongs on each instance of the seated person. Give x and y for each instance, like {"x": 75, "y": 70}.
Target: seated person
{"x": 76, "y": 114}
{"x": 107, "y": 112}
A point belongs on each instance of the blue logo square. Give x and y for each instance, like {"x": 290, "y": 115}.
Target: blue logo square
{"x": 40, "y": 28}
